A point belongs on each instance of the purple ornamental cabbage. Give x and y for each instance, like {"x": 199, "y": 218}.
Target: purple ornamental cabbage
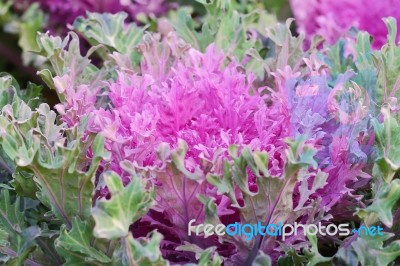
{"x": 343, "y": 138}
{"x": 332, "y": 19}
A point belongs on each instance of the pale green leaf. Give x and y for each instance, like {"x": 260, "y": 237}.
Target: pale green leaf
{"x": 127, "y": 204}
{"x": 75, "y": 244}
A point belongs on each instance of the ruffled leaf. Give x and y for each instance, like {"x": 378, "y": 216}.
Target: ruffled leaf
{"x": 76, "y": 244}
{"x": 127, "y": 204}
{"x": 141, "y": 251}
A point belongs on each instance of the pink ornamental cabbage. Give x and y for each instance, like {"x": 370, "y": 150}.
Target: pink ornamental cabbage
{"x": 176, "y": 93}
{"x": 207, "y": 105}
{"x": 332, "y": 19}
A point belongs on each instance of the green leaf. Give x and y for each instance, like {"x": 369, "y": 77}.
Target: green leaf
{"x": 386, "y": 189}
{"x": 32, "y": 95}
{"x": 9, "y": 88}
{"x": 127, "y": 204}
{"x": 382, "y": 205}
{"x": 382, "y": 65}
{"x": 226, "y": 24}
{"x": 262, "y": 260}
{"x": 16, "y": 241}
{"x": 209, "y": 258}
{"x": 389, "y": 57}
{"x": 336, "y": 60}
{"x": 178, "y": 159}
{"x": 32, "y": 21}
{"x": 232, "y": 35}
{"x": 388, "y": 140}
{"x": 291, "y": 258}
{"x": 11, "y": 218}
{"x": 313, "y": 255}
{"x": 370, "y": 250}
{"x": 52, "y": 49}
{"x": 110, "y": 30}
{"x": 75, "y": 244}
{"x": 66, "y": 189}
{"x": 143, "y": 252}
{"x": 185, "y": 28}
{"x": 67, "y": 63}
{"x": 5, "y": 7}
{"x": 288, "y": 49}
{"x": 205, "y": 257}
